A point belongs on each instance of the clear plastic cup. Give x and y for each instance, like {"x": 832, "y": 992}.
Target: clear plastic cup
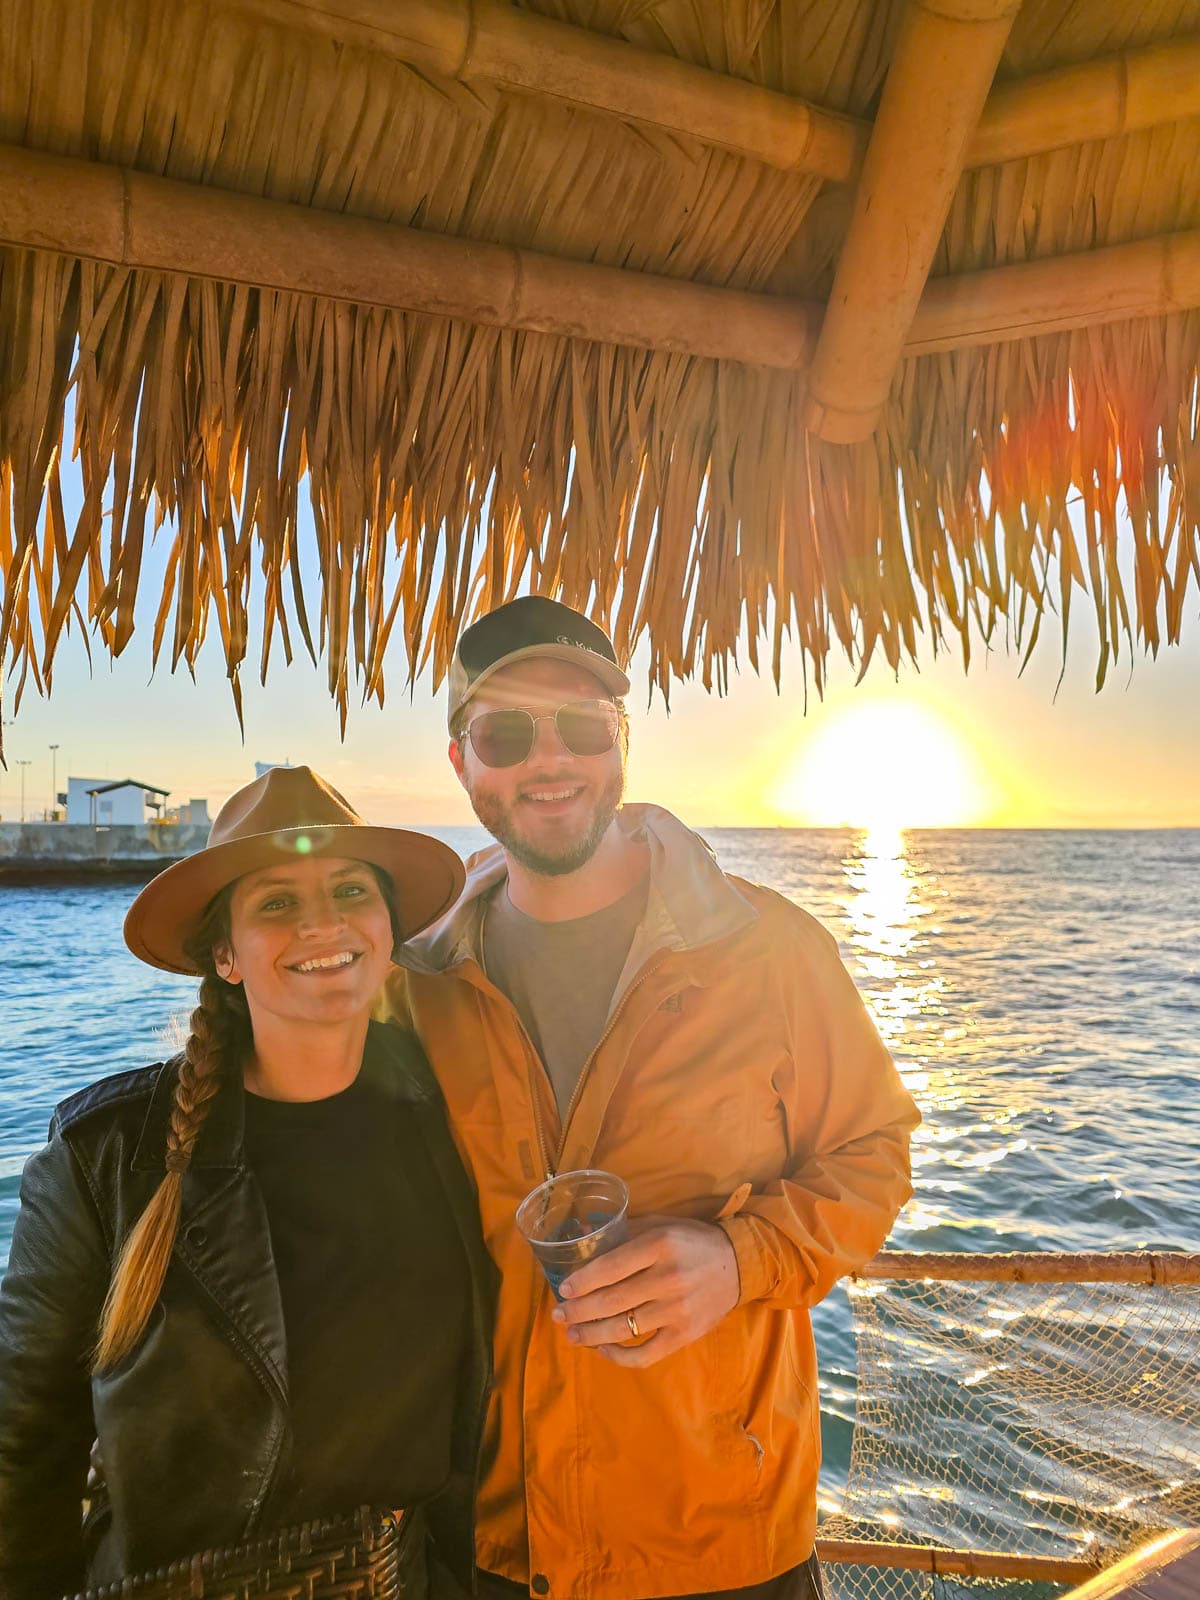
{"x": 573, "y": 1217}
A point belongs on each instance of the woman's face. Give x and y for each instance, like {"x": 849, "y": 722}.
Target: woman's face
{"x": 310, "y": 940}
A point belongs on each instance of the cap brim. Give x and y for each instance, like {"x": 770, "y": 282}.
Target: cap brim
{"x": 427, "y": 875}
{"x": 608, "y": 673}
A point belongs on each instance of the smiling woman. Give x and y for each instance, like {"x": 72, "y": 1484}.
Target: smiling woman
{"x": 200, "y": 1242}
{"x": 884, "y": 767}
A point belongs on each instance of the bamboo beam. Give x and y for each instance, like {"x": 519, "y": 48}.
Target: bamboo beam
{"x": 944, "y": 62}
{"x": 494, "y": 42}
{"x": 102, "y": 213}
{"x": 1101, "y": 99}
{"x": 1039, "y": 1266}
{"x": 950, "y": 1563}
{"x": 483, "y": 40}
{"x": 132, "y": 220}
{"x": 1146, "y": 278}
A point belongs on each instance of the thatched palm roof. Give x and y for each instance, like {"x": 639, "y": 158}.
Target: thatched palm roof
{"x": 631, "y": 306}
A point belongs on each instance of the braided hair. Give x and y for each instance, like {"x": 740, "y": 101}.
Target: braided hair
{"x": 218, "y": 1038}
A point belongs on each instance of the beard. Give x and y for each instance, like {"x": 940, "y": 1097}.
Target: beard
{"x": 567, "y": 856}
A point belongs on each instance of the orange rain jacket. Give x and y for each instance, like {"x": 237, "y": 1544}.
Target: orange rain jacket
{"x": 739, "y": 1077}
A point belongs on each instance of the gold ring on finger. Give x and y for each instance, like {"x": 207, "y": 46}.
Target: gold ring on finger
{"x": 633, "y": 1327}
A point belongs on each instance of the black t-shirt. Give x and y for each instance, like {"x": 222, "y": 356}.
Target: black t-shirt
{"x": 375, "y": 1289}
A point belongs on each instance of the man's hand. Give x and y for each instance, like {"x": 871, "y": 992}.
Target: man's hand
{"x": 678, "y": 1277}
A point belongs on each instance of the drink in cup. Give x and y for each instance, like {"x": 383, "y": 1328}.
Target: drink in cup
{"x": 571, "y": 1218}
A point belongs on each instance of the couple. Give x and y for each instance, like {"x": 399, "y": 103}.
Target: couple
{"x": 253, "y": 1285}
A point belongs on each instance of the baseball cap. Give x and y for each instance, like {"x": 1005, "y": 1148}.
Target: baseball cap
{"x": 524, "y": 630}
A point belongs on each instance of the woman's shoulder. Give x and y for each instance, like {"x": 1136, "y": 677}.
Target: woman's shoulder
{"x": 109, "y": 1100}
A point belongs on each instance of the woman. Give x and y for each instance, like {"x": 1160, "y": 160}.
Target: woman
{"x": 250, "y": 1283}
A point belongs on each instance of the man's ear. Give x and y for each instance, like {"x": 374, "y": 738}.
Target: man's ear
{"x": 226, "y": 964}
{"x": 455, "y": 752}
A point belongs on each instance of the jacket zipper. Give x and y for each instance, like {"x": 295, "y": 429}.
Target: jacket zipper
{"x": 552, "y": 1168}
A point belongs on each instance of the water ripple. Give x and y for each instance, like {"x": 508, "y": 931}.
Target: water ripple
{"x": 1040, "y": 992}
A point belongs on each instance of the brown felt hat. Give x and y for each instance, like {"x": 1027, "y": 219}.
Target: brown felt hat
{"x": 287, "y": 813}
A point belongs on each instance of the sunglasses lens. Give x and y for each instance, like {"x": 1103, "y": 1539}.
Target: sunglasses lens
{"x": 502, "y": 738}
{"x": 505, "y": 738}
{"x": 587, "y": 727}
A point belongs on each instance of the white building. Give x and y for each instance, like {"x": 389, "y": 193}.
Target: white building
{"x": 267, "y": 766}
{"x": 109, "y": 803}
{"x": 191, "y": 813}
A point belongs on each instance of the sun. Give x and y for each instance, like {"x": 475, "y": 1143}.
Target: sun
{"x": 884, "y": 766}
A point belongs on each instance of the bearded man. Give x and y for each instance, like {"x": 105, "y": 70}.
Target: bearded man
{"x": 604, "y": 995}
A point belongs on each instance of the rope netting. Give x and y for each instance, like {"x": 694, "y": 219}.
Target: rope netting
{"x": 1054, "y": 1420}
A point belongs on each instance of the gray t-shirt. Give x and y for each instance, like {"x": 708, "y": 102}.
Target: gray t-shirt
{"x": 561, "y": 976}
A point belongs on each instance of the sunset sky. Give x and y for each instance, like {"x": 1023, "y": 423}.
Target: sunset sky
{"x": 938, "y": 748}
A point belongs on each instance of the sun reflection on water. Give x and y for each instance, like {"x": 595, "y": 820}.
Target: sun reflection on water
{"x": 892, "y": 907}
{"x": 884, "y": 913}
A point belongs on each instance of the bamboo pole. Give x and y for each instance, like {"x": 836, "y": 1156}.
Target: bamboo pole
{"x": 493, "y": 42}
{"x": 1146, "y": 278}
{"x": 1048, "y": 1266}
{"x": 949, "y": 1563}
{"x": 1097, "y": 100}
{"x": 944, "y": 62}
{"x": 130, "y": 219}
{"x": 530, "y": 54}
{"x": 1166, "y": 1569}
{"x": 102, "y": 213}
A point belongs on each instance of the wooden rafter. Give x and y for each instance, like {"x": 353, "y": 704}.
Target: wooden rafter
{"x": 1088, "y": 288}
{"x": 944, "y": 61}
{"x": 102, "y": 213}
{"x": 1100, "y": 99}
{"x": 106, "y": 214}
{"x": 485, "y": 41}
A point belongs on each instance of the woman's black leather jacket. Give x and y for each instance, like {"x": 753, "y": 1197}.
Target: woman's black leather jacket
{"x": 188, "y": 1437}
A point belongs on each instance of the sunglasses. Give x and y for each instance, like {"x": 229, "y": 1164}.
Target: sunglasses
{"x": 505, "y": 738}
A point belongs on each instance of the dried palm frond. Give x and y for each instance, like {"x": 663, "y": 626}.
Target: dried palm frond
{"x": 447, "y": 465}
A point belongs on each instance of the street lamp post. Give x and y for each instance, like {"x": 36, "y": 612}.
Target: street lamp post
{"x": 5, "y": 722}
{"x": 53, "y": 781}
{"x": 22, "y": 765}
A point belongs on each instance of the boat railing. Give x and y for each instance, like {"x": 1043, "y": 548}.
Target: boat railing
{"x": 1022, "y": 1421}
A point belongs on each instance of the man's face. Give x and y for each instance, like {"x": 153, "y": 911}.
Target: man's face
{"x": 551, "y": 811}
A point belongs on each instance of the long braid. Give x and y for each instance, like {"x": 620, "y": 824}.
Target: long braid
{"x": 199, "y": 1074}
{"x": 219, "y": 1028}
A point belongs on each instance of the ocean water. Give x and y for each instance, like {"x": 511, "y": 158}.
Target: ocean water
{"x": 1040, "y": 992}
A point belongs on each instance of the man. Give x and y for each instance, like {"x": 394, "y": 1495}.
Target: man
{"x": 603, "y": 995}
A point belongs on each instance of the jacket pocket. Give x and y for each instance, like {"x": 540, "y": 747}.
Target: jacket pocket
{"x": 734, "y": 1355}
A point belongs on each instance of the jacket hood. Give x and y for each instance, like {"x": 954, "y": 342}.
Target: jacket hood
{"x": 691, "y": 902}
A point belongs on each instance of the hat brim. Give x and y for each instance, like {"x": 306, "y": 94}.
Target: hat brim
{"x": 427, "y": 875}
{"x": 608, "y": 673}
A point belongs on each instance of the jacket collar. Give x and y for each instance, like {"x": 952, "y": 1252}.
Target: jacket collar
{"x": 690, "y": 903}
{"x": 221, "y": 1140}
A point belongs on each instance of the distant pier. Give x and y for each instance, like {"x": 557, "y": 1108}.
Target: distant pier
{"x": 68, "y": 852}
